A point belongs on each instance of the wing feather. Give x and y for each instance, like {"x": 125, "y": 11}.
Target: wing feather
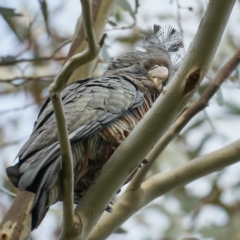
{"x": 89, "y": 106}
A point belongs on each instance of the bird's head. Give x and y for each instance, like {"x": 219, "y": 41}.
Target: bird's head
{"x": 155, "y": 61}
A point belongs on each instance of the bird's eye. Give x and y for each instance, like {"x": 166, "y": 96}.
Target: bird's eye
{"x": 138, "y": 63}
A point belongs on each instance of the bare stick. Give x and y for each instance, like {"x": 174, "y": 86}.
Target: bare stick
{"x": 196, "y": 168}
{"x": 181, "y": 122}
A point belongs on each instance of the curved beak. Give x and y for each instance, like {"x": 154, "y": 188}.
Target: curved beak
{"x": 158, "y": 75}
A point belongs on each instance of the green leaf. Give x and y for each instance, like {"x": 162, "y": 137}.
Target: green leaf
{"x": 208, "y": 119}
{"x": 7, "y": 59}
{"x": 105, "y": 54}
{"x": 112, "y": 23}
{"x": 9, "y": 12}
{"x": 237, "y": 73}
{"x": 126, "y": 6}
{"x": 12, "y": 24}
{"x": 220, "y": 99}
{"x": 44, "y": 10}
{"x": 120, "y": 231}
{"x": 197, "y": 123}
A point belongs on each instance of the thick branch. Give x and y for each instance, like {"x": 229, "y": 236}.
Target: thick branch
{"x": 158, "y": 185}
{"x": 67, "y": 166}
{"x": 79, "y": 59}
{"x": 2, "y": 189}
{"x": 19, "y": 108}
{"x": 109, "y": 223}
{"x": 161, "y": 183}
{"x": 198, "y": 106}
{"x": 71, "y": 225}
{"x": 134, "y": 149}
{"x": 41, "y": 59}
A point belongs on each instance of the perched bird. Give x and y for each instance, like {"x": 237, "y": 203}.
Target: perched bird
{"x": 100, "y": 113}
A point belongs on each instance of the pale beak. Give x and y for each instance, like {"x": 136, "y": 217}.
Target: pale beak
{"x": 158, "y": 74}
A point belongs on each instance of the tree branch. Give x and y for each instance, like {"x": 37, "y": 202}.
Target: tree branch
{"x": 108, "y": 223}
{"x": 158, "y": 185}
{"x": 7, "y": 63}
{"x": 161, "y": 183}
{"x": 133, "y": 150}
{"x": 198, "y": 106}
{"x": 101, "y": 9}
{"x": 2, "y": 189}
{"x": 71, "y": 225}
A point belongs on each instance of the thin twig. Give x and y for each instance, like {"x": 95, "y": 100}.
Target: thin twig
{"x": 7, "y": 192}
{"x": 122, "y": 28}
{"x": 72, "y": 225}
{"x": 160, "y": 184}
{"x": 19, "y": 108}
{"x": 179, "y": 19}
{"x": 27, "y": 79}
{"x": 136, "y": 6}
{"x": 7, "y": 63}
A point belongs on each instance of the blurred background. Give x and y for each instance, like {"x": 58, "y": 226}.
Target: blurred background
{"x": 35, "y": 37}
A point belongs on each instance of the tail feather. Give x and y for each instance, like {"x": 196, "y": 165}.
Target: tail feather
{"x": 30, "y": 174}
{"x": 13, "y": 174}
{"x": 39, "y": 210}
{"x": 40, "y": 179}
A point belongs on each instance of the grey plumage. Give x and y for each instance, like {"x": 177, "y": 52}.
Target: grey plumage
{"x": 100, "y": 113}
